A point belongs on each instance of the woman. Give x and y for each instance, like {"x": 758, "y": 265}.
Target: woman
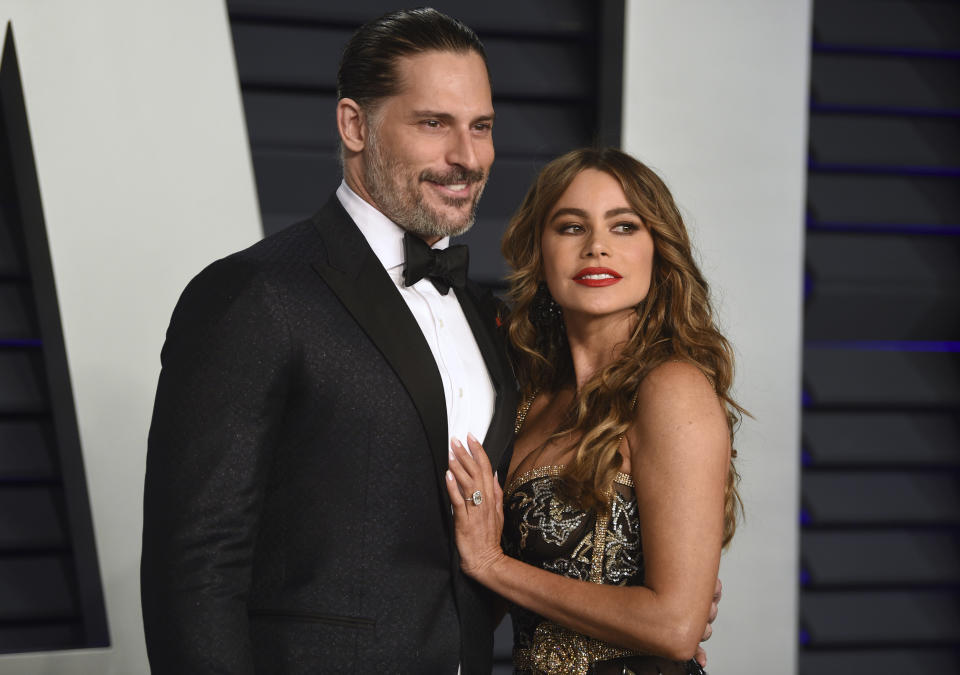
{"x": 625, "y": 430}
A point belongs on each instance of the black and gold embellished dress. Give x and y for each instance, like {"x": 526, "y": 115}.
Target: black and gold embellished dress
{"x": 542, "y": 529}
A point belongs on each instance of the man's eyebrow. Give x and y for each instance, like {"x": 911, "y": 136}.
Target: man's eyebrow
{"x": 446, "y": 117}
{"x": 432, "y": 113}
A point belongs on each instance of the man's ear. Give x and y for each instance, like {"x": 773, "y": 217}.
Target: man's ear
{"x": 352, "y": 124}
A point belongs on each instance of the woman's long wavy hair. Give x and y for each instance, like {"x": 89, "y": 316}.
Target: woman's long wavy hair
{"x": 675, "y": 322}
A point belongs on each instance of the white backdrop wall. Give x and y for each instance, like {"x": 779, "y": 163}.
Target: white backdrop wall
{"x": 145, "y": 177}
{"x": 715, "y": 99}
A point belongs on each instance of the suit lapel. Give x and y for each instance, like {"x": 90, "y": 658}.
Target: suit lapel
{"x": 355, "y": 275}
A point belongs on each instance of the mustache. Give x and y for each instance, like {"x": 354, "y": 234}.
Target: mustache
{"x": 459, "y": 175}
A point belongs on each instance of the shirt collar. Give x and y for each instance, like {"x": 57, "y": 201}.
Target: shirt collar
{"x": 384, "y": 236}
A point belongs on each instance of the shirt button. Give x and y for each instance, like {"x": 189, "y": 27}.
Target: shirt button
{"x": 440, "y": 322}
{"x": 460, "y": 392}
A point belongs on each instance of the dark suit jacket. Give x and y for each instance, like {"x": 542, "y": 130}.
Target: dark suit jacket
{"x": 295, "y": 514}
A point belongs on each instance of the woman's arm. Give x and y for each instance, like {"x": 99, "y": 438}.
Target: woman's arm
{"x": 679, "y": 449}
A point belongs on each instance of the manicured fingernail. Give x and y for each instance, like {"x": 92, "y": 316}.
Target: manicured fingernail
{"x": 472, "y": 437}
{"x": 456, "y": 442}
{"x": 449, "y": 475}
{"x": 495, "y": 475}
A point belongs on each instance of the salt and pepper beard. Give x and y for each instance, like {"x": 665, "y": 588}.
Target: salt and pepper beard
{"x": 398, "y": 197}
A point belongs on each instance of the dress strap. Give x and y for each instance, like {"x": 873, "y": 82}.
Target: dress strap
{"x": 522, "y": 412}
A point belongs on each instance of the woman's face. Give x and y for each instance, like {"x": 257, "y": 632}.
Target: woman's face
{"x": 597, "y": 252}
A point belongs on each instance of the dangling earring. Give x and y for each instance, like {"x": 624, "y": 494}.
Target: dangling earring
{"x": 547, "y": 319}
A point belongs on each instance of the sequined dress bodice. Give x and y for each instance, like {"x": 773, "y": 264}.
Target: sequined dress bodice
{"x": 542, "y": 529}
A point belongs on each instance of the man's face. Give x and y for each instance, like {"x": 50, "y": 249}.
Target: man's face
{"x": 430, "y": 147}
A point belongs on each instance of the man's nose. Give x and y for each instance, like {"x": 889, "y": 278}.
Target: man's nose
{"x": 462, "y": 152}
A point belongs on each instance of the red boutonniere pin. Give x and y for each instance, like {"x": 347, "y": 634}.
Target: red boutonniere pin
{"x": 499, "y": 321}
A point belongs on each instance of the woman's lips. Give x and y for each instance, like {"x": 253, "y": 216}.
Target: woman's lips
{"x": 597, "y": 276}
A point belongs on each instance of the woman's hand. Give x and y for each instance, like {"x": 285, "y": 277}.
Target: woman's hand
{"x": 477, "y": 526}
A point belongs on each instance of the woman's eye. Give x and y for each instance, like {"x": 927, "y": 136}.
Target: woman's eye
{"x": 625, "y": 228}
{"x": 571, "y": 228}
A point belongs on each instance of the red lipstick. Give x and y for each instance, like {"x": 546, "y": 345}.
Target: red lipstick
{"x": 597, "y": 276}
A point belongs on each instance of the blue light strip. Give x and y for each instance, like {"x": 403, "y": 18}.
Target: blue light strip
{"x": 881, "y": 228}
{"x": 944, "y": 171}
{"x": 851, "y": 109}
{"x": 28, "y": 342}
{"x": 866, "y": 50}
{"x": 943, "y": 346}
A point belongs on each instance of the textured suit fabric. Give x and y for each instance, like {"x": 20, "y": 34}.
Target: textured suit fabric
{"x": 295, "y": 513}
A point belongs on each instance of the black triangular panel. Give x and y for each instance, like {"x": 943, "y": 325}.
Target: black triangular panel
{"x": 50, "y": 590}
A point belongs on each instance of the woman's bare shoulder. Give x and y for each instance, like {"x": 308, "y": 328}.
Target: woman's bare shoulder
{"x": 677, "y": 398}
{"x": 675, "y": 378}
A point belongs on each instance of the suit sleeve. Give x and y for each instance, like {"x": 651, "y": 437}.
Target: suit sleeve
{"x": 219, "y": 401}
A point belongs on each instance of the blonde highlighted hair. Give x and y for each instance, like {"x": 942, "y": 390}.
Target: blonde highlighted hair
{"x": 675, "y": 322}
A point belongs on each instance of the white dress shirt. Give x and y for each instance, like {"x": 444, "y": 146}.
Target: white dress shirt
{"x": 467, "y": 388}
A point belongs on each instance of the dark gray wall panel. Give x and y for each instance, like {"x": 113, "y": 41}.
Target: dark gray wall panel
{"x": 26, "y": 450}
{"x": 879, "y": 661}
{"x": 22, "y": 377}
{"x": 897, "y": 557}
{"x": 875, "y": 438}
{"x": 550, "y": 17}
{"x": 293, "y": 120}
{"x": 848, "y": 377}
{"x": 896, "y": 617}
{"x": 884, "y": 312}
{"x": 860, "y": 198}
{"x": 43, "y": 635}
{"x": 35, "y": 587}
{"x": 885, "y": 81}
{"x": 290, "y": 56}
{"x": 892, "y": 261}
{"x": 881, "y": 497}
{"x": 31, "y": 517}
{"x": 925, "y": 24}
{"x": 15, "y": 320}
{"x": 11, "y": 264}
{"x": 889, "y": 140}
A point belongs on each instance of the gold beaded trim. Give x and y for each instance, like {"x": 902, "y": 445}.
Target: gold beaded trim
{"x": 560, "y": 651}
{"x": 600, "y": 543}
{"x": 554, "y": 470}
{"x": 522, "y": 412}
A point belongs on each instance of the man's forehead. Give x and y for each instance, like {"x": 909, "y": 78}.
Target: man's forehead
{"x": 434, "y": 74}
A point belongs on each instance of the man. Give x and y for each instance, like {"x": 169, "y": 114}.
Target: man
{"x": 295, "y": 515}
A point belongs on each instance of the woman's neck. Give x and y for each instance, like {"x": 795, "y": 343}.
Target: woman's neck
{"x": 595, "y": 342}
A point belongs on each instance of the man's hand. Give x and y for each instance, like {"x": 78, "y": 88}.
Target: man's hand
{"x": 701, "y": 656}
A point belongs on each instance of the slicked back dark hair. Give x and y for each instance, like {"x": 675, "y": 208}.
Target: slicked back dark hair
{"x": 368, "y": 70}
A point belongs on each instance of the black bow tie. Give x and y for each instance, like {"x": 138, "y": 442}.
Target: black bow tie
{"x": 444, "y": 268}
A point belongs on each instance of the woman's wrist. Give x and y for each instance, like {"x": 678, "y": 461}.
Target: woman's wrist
{"x": 489, "y": 568}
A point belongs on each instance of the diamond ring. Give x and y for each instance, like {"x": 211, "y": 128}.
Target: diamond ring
{"x": 476, "y": 498}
